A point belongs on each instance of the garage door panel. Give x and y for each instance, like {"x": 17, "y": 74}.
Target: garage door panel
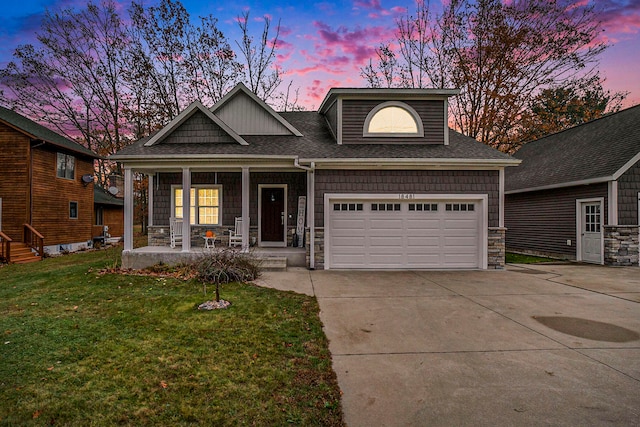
{"x": 421, "y": 239}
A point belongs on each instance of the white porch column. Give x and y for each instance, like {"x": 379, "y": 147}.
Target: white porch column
{"x": 128, "y": 209}
{"x": 245, "y": 208}
{"x": 612, "y": 196}
{"x": 186, "y": 209}
{"x": 150, "y": 199}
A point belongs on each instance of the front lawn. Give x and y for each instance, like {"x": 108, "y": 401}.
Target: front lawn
{"x": 512, "y": 258}
{"x": 80, "y": 348}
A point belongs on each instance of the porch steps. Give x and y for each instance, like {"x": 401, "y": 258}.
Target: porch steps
{"x": 22, "y": 254}
{"x": 273, "y": 262}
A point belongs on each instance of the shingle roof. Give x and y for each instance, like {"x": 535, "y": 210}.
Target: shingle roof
{"x": 318, "y": 143}
{"x": 102, "y": 197}
{"x": 594, "y": 150}
{"x": 42, "y": 133}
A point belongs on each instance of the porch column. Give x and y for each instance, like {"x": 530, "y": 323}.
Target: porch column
{"x": 186, "y": 209}
{"x": 245, "y": 208}
{"x": 150, "y": 199}
{"x": 128, "y": 209}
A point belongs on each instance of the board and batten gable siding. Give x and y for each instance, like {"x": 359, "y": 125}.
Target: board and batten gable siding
{"x": 198, "y": 129}
{"x": 543, "y": 221}
{"x": 246, "y": 117}
{"x": 354, "y": 114}
{"x": 395, "y": 182}
{"x": 51, "y": 197}
{"x": 14, "y": 181}
{"x": 628, "y": 188}
{"x": 231, "y": 193}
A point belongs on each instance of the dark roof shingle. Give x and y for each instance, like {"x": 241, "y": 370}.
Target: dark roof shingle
{"x": 593, "y": 150}
{"x": 318, "y": 143}
{"x": 41, "y": 132}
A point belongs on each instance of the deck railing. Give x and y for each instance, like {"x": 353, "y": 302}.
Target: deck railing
{"x": 34, "y": 239}
{"x": 5, "y": 247}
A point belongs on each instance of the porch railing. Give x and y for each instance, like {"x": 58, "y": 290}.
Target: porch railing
{"x": 34, "y": 239}
{"x": 5, "y": 247}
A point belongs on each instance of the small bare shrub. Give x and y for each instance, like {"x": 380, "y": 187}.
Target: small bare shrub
{"x": 226, "y": 266}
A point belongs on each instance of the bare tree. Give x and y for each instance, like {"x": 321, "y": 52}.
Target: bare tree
{"x": 72, "y": 81}
{"x": 261, "y": 75}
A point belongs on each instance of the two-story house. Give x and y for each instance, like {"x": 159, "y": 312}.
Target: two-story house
{"x": 46, "y": 190}
{"x": 374, "y": 179}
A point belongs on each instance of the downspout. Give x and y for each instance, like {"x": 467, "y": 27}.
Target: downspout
{"x": 310, "y": 209}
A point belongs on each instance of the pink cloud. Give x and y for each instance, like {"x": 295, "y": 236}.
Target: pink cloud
{"x": 368, "y": 4}
{"x": 359, "y": 43}
{"x": 398, "y": 9}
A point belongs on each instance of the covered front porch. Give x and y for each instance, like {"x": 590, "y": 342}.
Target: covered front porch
{"x": 271, "y": 204}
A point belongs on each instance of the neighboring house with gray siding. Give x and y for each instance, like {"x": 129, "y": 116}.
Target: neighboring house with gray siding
{"x": 576, "y": 194}
{"x": 374, "y": 179}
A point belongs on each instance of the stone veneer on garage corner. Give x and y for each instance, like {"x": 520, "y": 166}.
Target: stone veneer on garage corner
{"x": 621, "y": 245}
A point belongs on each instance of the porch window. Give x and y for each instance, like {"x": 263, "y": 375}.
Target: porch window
{"x": 65, "y": 166}
{"x": 205, "y": 205}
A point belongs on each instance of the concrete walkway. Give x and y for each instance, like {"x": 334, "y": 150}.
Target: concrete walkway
{"x": 533, "y": 345}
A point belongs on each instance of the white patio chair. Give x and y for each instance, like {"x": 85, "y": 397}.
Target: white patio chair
{"x": 175, "y": 231}
{"x": 235, "y": 236}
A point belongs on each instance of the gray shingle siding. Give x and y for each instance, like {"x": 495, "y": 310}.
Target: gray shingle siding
{"x": 354, "y": 113}
{"x": 543, "y": 221}
{"x": 628, "y": 188}
{"x": 394, "y": 182}
{"x": 198, "y": 129}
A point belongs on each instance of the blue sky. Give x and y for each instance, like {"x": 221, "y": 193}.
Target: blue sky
{"x": 324, "y": 43}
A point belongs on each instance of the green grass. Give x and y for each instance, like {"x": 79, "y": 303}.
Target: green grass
{"x": 79, "y": 348}
{"x": 512, "y": 258}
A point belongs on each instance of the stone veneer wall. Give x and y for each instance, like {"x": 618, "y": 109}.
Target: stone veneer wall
{"x": 319, "y": 247}
{"x": 621, "y": 245}
{"x": 496, "y": 248}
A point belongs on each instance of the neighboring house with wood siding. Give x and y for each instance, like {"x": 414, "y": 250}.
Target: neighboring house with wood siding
{"x": 46, "y": 185}
{"x": 373, "y": 180}
{"x": 576, "y": 194}
{"x": 108, "y": 216}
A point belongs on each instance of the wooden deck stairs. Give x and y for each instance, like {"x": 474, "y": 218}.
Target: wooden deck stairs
{"x": 22, "y": 254}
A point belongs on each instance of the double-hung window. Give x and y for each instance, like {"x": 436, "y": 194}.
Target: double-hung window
{"x": 65, "y": 166}
{"x": 206, "y": 204}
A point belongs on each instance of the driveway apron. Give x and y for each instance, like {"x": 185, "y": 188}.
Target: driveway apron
{"x": 542, "y": 345}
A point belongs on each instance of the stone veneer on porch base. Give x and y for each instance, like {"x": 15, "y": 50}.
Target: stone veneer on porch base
{"x": 621, "y": 245}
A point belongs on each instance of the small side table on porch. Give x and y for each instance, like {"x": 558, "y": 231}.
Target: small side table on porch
{"x": 209, "y": 240}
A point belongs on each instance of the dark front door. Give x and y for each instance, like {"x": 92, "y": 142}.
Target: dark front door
{"x": 272, "y": 222}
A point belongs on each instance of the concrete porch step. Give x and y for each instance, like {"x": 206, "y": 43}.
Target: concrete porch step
{"x": 273, "y": 262}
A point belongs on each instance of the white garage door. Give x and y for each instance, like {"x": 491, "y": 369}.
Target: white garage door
{"x": 383, "y": 234}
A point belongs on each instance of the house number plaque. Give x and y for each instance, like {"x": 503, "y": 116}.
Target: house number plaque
{"x": 406, "y": 196}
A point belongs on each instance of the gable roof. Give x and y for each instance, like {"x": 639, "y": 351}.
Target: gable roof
{"x": 187, "y": 113}
{"x": 38, "y": 132}
{"x": 597, "y": 151}
{"x": 240, "y": 91}
{"x": 317, "y": 144}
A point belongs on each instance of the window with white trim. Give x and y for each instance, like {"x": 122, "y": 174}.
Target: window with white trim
{"x": 393, "y": 119}
{"x": 206, "y": 204}
{"x": 65, "y": 166}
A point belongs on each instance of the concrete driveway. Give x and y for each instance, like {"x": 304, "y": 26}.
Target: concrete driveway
{"x": 533, "y": 345}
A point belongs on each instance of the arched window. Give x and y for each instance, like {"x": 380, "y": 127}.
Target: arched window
{"x": 393, "y": 119}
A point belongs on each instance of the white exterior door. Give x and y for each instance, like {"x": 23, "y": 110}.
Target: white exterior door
{"x": 591, "y": 233}
{"x": 407, "y": 234}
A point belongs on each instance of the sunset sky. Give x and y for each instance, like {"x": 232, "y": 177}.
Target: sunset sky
{"x": 325, "y": 43}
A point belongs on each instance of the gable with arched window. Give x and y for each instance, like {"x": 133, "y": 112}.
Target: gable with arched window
{"x": 393, "y": 119}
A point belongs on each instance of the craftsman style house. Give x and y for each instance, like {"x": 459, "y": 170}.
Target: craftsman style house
{"x": 576, "y": 194}
{"x": 374, "y": 179}
{"x": 46, "y": 190}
